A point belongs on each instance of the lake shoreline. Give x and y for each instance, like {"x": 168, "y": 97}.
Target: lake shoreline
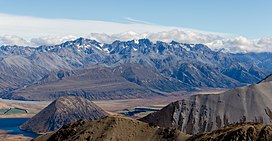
{"x": 10, "y": 126}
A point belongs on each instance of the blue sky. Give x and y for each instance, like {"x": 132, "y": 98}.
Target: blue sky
{"x": 235, "y": 25}
{"x": 250, "y": 18}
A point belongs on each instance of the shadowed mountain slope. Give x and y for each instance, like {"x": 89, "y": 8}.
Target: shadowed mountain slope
{"x": 124, "y": 81}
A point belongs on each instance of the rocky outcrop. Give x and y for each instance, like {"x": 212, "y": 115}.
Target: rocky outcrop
{"x": 237, "y": 132}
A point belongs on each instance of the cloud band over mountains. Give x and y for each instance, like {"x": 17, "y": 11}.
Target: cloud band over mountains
{"x": 33, "y": 31}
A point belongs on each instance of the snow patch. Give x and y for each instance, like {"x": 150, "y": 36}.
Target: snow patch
{"x": 185, "y": 47}
{"x": 106, "y": 50}
{"x": 97, "y": 47}
{"x": 136, "y": 42}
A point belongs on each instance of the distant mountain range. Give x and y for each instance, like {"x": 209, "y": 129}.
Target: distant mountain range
{"x": 123, "y": 81}
{"x": 207, "y": 112}
{"x": 147, "y": 67}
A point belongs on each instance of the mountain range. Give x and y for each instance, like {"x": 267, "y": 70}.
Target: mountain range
{"x": 187, "y": 66}
{"x": 100, "y": 83}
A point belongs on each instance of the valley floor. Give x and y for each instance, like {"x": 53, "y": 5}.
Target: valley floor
{"x": 111, "y": 106}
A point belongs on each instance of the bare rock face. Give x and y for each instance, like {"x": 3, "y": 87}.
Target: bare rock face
{"x": 238, "y": 132}
{"x": 113, "y": 128}
{"x": 62, "y": 111}
{"x": 202, "y": 113}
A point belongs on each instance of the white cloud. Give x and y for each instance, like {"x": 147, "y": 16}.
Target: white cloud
{"x": 125, "y": 36}
{"x": 14, "y": 40}
{"x": 31, "y": 27}
{"x": 242, "y": 44}
{"x": 33, "y": 31}
{"x": 180, "y": 35}
{"x": 184, "y": 36}
{"x": 49, "y": 40}
{"x": 137, "y": 21}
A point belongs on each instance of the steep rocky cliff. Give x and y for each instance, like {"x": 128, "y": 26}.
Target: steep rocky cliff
{"x": 207, "y": 112}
